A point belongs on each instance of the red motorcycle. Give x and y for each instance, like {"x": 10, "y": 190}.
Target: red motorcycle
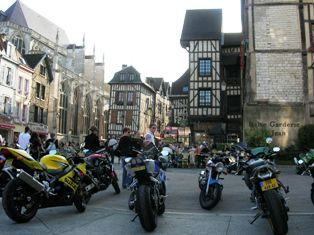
{"x": 102, "y": 171}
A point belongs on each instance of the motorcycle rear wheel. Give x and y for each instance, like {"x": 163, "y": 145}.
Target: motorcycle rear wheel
{"x": 18, "y": 201}
{"x": 277, "y": 212}
{"x": 247, "y": 180}
{"x": 115, "y": 185}
{"x": 210, "y": 200}
{"x": 145, "y": 208}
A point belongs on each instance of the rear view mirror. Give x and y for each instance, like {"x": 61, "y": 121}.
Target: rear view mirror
{"x": 269, "y": 140}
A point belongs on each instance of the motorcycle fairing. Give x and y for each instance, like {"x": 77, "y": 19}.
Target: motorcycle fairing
{"x": 213, "y": 181}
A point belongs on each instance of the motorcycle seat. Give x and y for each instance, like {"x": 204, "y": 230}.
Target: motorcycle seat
{"x": 256, "y": 163}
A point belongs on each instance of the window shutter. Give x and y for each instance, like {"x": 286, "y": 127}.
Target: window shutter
{"x": 128, "y": 118}
{"x": 31, "y": 113}
{"x": 114, "y": 115}
{"x": 117, "y": 97}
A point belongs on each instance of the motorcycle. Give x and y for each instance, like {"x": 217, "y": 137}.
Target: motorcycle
{"x": 53, "y": 181}
{"x": 148, "y": 188}
{"x": 235, "y": 158}
{"x": 102, "y": 171}
{"x": 312, "y": 189}
{"x": 209, "y": 183}
{"x": 303, "y": 161}
{"x": 267, "y": 194}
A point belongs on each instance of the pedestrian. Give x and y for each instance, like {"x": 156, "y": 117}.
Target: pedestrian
{"x": 125, "y": 150}
{"x": 150, "y": 135}
{"x": 51, "y": 143}
{"x": 24, "y": 138}
{"x": 112, "y": 146}
{"x": 137, "y": 141}
{"x": 36, "y": 146}
{"x": 92, "y": 140}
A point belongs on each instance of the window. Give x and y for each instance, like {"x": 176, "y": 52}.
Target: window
{"x": 185, "y": 89}
{"x": 9, "y": 76}
{"x": 130, "y": 98}
{"x": 24, "y": 113}
{"x": 119, "y": 97}
{"x": 19, "y": 43}
{"x": 20, "y": 85}
{"x": 204, "y": 98}
{"x": 37, "y": 90}
{"x": 26, "y": 87}
{"x": 132, "y": 77}
{"x": 7, "y": 105}
{"x": 120, "y": 118}
{"x": 39, "y": 115}
{"x": 205, "y": 67}
{"x": 18, "y": 110}
{"x": 43, "y": 88}
{"x": 122, "y": 76}
{"x": 42, "y": 70}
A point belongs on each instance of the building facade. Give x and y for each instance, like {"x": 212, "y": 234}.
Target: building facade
{"x": 214, "y": 80}
{"x": 278, "y": 39}
{"x": 77, "y": 86}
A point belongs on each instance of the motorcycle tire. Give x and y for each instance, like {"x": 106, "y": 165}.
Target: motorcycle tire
{"x": 312, "y": 194}
{"x": 247, "y": 180}
{"x": 81, "y": 199}
{"x": 145, "y": 208}
{"x": 4, "y": 180}
{"x": 277, "y": 212}
{"x": 116, "y": 186}
{"x": 210, "y": 200}
{"x": 16, "y": 203}
{"x": 299, "y": 169}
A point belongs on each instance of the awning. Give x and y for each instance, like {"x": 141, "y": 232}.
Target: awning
{"x": 7, "y": 126}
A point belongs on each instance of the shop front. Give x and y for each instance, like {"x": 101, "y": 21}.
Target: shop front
{"x": 41, "y": 129}
{"x": 6, "y": 129}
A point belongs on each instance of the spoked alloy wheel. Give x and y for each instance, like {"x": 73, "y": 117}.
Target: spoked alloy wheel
{"x": 210, "y": 200}
{"x": 277, "y": 212}
{"x": 20, "y": 201}
{"x": 145, "y": 208}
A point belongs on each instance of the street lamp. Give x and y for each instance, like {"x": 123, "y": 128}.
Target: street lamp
{"x": 223, "y": 87}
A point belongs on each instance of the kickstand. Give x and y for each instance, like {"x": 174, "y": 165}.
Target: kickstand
{"x": 259, "y": 214}
{"x": 134, "y": 218}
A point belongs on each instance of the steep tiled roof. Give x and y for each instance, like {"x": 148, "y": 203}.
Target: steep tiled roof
{"x": 22, "y": 15}
{"x": 232, "y": 39}
{"x": 127, "y": 71}
{"x": 155, "y": 82}
{"x": 201, "y": 25}
{"x": 33, "y": 60}
{"x": 179, "y": 85}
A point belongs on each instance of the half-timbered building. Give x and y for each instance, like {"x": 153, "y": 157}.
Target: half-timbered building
{"x": 131, "y": 102}
{"x": 208, "y": 87}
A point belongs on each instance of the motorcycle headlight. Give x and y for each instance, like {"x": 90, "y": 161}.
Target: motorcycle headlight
{"x": 219, "y": 167}
{"x": 300, "y": 161}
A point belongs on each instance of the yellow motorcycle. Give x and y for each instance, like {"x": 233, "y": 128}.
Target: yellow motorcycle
{"x": 53, "y": 181}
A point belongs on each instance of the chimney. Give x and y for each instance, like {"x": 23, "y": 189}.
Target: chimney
{"x": 124, "y": 66}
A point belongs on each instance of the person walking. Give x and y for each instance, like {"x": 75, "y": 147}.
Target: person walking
{"x": 24, "y": 138}
{"x": 36, "y": 146}
{"x": 92, "y": 140}
{"x": 125, "y": 150}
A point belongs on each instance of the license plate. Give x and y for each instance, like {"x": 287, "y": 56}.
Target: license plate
{"x": 138, "y": 168}
{"x": 269, "y": 184}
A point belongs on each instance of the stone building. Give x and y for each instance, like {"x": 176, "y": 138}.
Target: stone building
{"x": 278, "y": 39}
{"x": 76, "y": 96}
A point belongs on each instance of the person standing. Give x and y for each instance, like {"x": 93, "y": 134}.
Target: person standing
{"x": 92, "y": 140}
{"x": 24, "y": 138}
{"x": 51, "y": 143}
{"x": 150, "y": 135}
{"x": 125, "y": 149}
{"x": 36, "y": 146}
{"x": 112, "y": 146}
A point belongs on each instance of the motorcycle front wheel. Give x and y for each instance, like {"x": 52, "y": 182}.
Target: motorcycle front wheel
{"x": 277, "y": 212}
{"x": 312, "y": 193}
{"x": 211, "y": 199}
{"x": 19, "y": 201}
{"x": 115, "y": 184}
{"x": 145, "y": 208}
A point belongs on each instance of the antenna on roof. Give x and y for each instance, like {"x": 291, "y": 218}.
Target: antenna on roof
{"x": 57, "y": 36}
{"x": 84, "y": 40}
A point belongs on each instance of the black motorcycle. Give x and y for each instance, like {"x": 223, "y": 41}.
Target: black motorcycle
{"x": 148, "y": 188}
{"x": 267, "y": 192}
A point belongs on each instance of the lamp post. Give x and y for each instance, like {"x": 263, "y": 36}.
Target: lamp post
{"x": 223, "y": 87}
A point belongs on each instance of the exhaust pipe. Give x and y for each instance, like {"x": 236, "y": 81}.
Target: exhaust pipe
{"x": 28, "y": 179}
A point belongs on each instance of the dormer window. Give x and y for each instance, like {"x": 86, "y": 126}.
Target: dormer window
{"x": 42, "y": 70}
{"x": 132, "y": 77}
{"x": 185, "y": 89}
{"x": 123, "y": 77}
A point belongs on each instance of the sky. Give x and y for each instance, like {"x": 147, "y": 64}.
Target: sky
{"x": 144, "y": 34}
